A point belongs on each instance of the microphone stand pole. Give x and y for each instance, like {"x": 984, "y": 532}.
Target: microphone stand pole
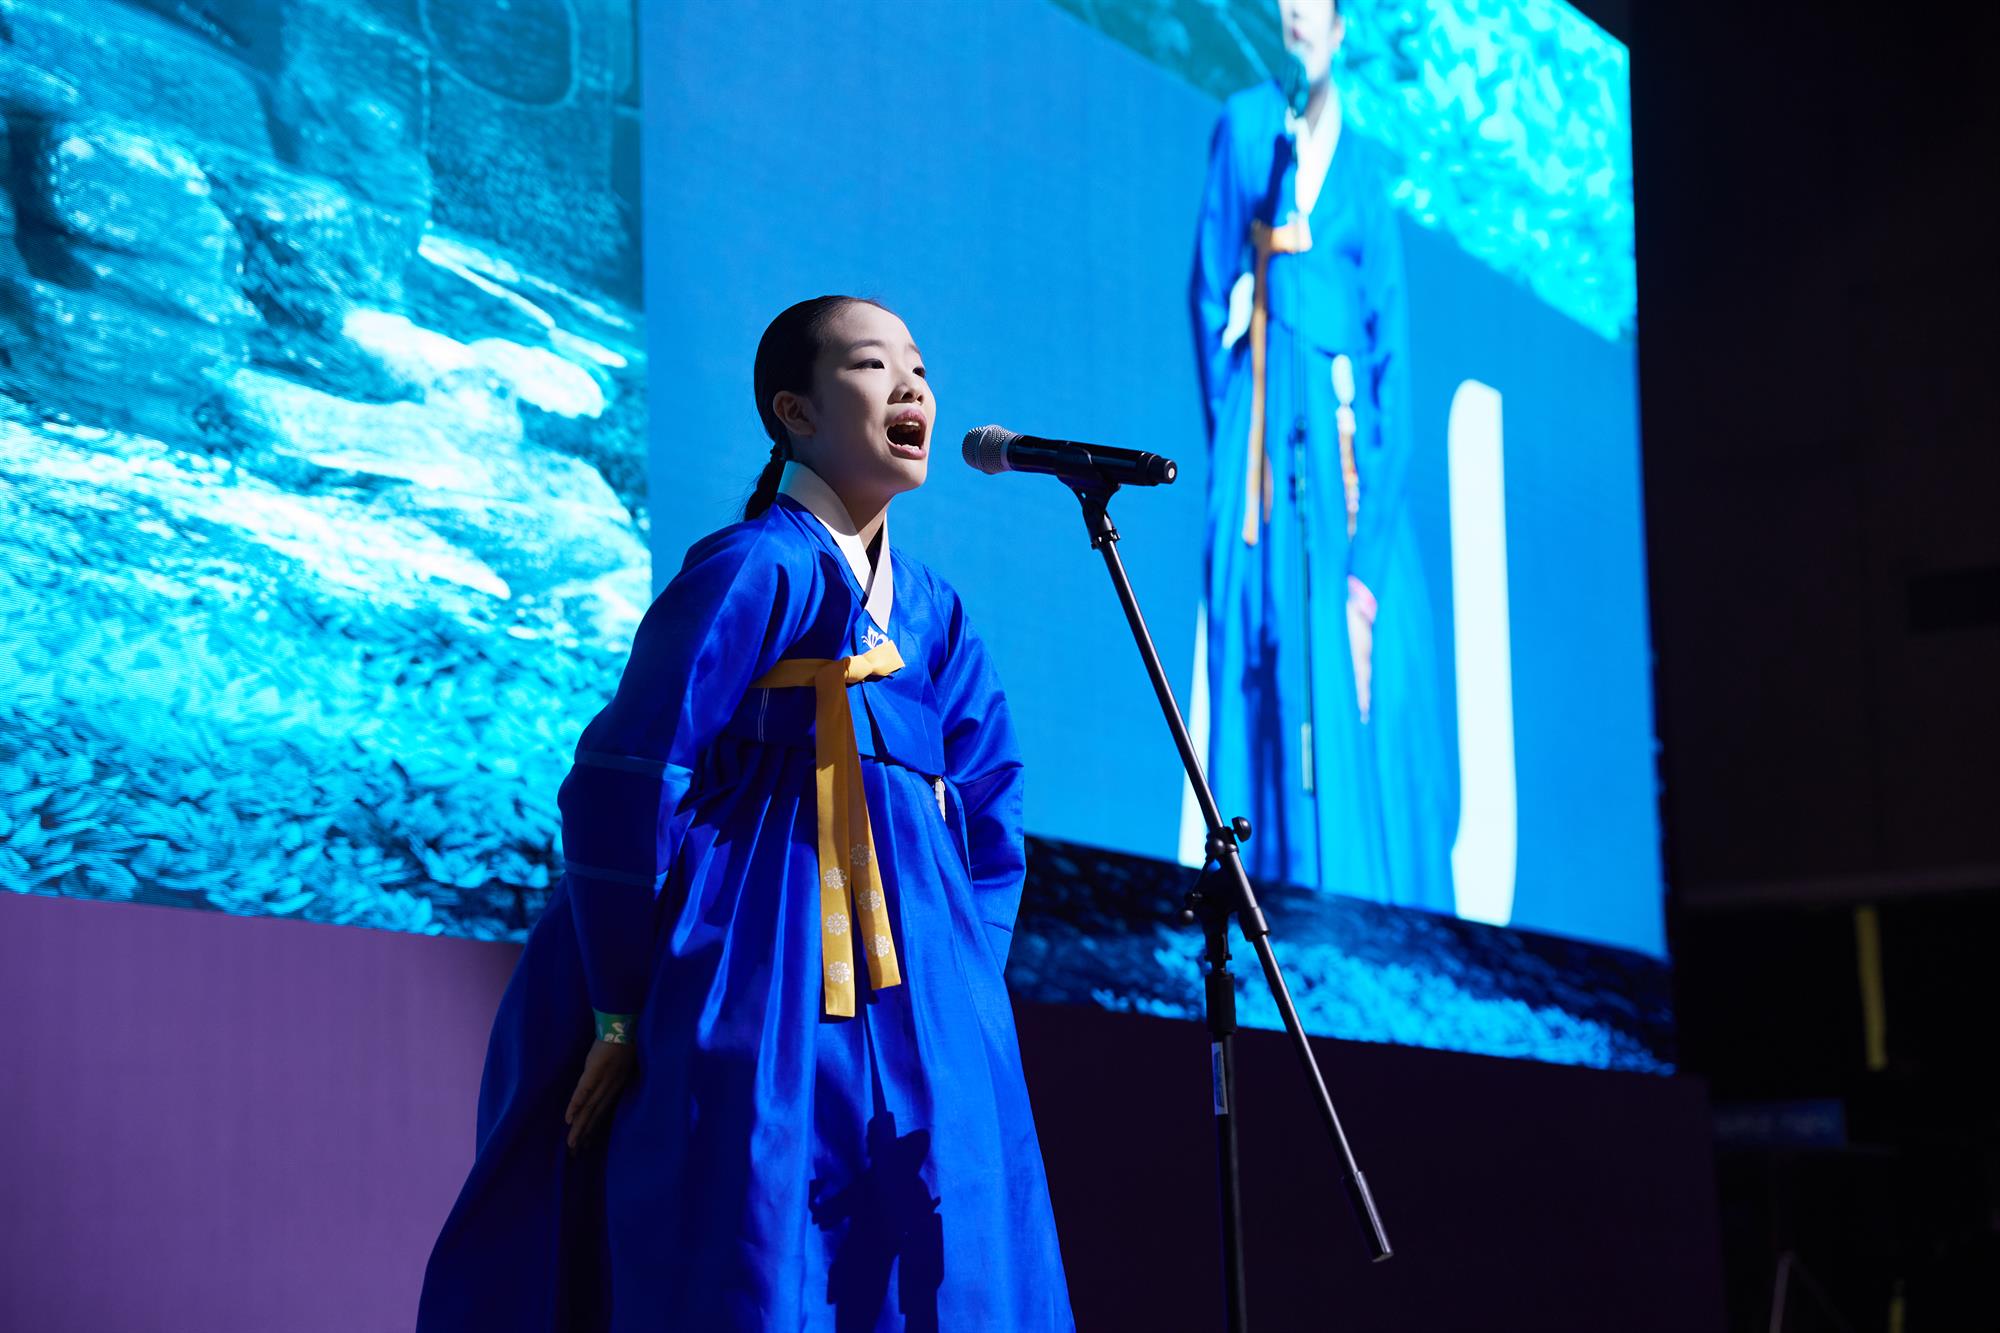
{"x": 1302, "y": 511}
{"x": 1223, "y": 890}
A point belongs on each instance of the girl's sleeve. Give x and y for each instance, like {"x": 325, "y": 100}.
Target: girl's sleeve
{"x": 726, "y": 618}
{"x": 983, "y": 764}
{"x": 1384, "y": 445}
{"x": 1218, "y": 263}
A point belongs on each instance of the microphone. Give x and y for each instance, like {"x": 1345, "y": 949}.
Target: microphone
{"x": 1295, "y": 85}
{"x": 993, "y": 450}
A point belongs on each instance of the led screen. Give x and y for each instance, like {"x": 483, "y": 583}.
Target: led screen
{"x": 352, "y": 410}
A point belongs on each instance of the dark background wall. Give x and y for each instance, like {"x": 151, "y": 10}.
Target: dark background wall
{"x": 1816, "y": 286}
{"x": 1816, "y": 281}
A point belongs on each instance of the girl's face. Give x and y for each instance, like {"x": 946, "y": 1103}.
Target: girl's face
{"x": 1313, "y": 29}
{"x": 866, "y": 426}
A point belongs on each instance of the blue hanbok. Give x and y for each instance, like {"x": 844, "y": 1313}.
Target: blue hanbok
{"x": 1353, "y": 804}
{"x": 771, "y": 1166}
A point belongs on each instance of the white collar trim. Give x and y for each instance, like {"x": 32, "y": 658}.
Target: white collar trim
{"x": 878, "y": 586}
{"x": 1316, "y": 147}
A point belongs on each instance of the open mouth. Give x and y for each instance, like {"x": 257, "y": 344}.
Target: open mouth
{"x": 906, "y": 436}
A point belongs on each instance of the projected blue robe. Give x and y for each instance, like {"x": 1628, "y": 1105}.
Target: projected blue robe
{"x": 1386, "y": 792}
{"x": 770, "y": 1167}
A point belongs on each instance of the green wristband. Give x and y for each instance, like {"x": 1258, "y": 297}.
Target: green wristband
{"x": 614, "y": 1028}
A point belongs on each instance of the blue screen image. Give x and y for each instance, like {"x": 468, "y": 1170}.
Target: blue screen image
{"x": 366, "y": 367}
{"x": 322, "y": 484}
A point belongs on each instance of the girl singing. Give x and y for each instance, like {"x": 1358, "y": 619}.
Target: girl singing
{"x": 756, "y": 1068}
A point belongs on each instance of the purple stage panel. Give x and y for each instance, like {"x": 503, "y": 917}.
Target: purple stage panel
{"x": 247, "y": 1125}
{"x": 229, "y": 1123}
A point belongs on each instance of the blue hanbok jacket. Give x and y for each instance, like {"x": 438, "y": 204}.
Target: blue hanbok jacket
{"x": 770, "y": 1167}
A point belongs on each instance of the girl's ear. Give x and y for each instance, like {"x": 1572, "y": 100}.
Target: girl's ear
{"x": 794, "y": 412}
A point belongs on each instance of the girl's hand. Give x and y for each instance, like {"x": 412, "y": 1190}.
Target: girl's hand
{"x": 606, "y": 1070}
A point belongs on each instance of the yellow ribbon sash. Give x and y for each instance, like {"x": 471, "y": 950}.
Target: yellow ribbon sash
{"x": 1291, "y": 239}
{"x": 851, "y": 901}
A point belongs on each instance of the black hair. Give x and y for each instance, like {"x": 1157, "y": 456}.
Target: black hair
{"x": 786, "y": 355}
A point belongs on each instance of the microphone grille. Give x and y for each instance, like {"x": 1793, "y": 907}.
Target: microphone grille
{"x": 986, "y": 448}
{"x": 1343, "y": 380}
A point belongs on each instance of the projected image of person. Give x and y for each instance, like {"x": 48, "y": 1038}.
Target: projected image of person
{"x": 1321, "y": 662}
{"x": 756, "y": 1068}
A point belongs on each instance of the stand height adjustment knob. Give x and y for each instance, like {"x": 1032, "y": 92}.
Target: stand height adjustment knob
{"x": 1241, "y": 826}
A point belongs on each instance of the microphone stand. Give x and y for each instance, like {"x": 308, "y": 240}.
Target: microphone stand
{"x": 1302, "y": 502}
{"x": 1220, "y": 891}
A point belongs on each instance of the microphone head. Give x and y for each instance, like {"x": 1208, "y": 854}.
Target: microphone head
{"x": 986, "y": 448}
{"x": 1297, "y": 85}
{"x": 1343, "y": 380}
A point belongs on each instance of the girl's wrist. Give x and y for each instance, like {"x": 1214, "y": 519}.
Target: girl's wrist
{"x": 614, "y": 1028}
